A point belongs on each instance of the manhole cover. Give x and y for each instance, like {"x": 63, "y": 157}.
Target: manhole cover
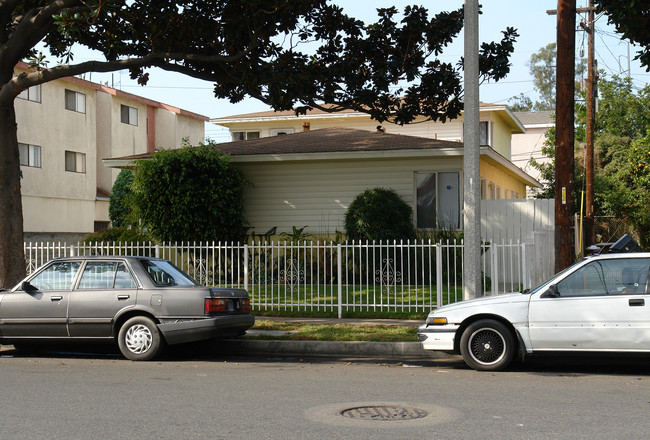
{"x": 383, "y": 412}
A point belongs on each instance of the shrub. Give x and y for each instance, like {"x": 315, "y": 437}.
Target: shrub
{"x": 379, "y": 214}
{"x": 119, "y": 208}
{"x": 190, "y": 194}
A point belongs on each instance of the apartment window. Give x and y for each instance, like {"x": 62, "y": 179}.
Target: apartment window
{"x": 483, "y": 189}
{"x": 498, "y": 192}
{"x": 280, "y": 131}
{"x": 129, "y": 115}
{"x": 30, "y": 155}
{"x": 31, "y": 94}
{"x": 438, "y": 200}
{"x": 244, "y": 135}
{"x": 101, "y": 225}
{"x": 75, "y": 162}
{"x": 75, "y": 101}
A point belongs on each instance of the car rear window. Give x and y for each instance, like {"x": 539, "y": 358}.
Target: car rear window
{"x": 163, "y": 273}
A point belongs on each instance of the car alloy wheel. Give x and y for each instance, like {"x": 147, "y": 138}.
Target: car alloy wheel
{"x": 487, "y": 345}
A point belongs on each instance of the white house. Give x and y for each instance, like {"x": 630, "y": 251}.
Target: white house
{"x": 309, "y": 178}
{"x": 65, "y": 128}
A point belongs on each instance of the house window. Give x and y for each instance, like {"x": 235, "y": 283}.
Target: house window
{"x": 498, "y": 192}
{"x": 483, "y": 189}
{"x": 484, "y": 133}
{"x": 30, "y": 155}
{"x": 129, "y": 115}
{"x": 438, "y": 200}
{"x": 31, "y": 94}
{"x": 75, "y": 101}
{"x": 280, "y": 131}
{"x": 75, "y": 162}
{"x": 244, "y": 135}
{"x": 492, "y": 189}
{"x": 101, "y": 225}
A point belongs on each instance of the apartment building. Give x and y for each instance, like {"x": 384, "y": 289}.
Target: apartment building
{"x": 65, "y": 128}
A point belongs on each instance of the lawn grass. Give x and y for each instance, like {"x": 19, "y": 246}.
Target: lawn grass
{"x": 336, "y": 332}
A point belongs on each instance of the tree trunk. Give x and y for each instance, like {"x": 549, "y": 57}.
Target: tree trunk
{"x": 12, "y": 254}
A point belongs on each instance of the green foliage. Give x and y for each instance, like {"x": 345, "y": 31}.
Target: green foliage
{"x": 119, "y": 208}
{"x": 118, "y": 235}
{"x": 297, "y": 235}
{"x": 290, "y": 54}
{"x": 379, "y": 214}
{"x": 190, "y": 194}
{"x": 631, "y": 19}
{"x": 542, "y": 68}
{"x": 628, "y": 188}
{"x": 621, "y": 111}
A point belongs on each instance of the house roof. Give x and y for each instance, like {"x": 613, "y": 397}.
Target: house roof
{"x": 543, "y": 118}
{"x": 341, "y": 144}
{"x": 272, "y": 115}
{"x": 334, "y": 139}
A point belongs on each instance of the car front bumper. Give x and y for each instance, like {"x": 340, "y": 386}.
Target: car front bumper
{"x": 180, "y": 331}
{"x": 437, "y": 337}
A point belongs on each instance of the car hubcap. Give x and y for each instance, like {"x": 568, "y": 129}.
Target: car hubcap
{"x": 138, "y": 339}
{"x": 487, "y": 346}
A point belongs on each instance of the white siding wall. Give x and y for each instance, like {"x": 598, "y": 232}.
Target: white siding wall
{"x": 317, "y": 194}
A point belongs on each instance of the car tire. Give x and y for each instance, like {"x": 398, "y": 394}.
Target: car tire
{"x": 139, "y": 339}
{"x": 487, "y": 345}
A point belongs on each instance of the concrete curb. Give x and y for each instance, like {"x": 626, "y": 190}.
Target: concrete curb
{"x": 392, "y": 350}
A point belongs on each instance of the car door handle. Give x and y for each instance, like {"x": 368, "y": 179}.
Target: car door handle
{"x": 637, "y": 302}
{"x": 123, "y": 297}
{"x": 56, "y": 298}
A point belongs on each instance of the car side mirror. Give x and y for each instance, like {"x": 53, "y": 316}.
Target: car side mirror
{"x": 552, "y": 292}
{"x": 27, "y": 287}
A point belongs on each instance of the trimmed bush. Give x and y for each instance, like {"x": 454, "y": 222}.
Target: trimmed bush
{"x": 379, "y": 214}
{"x": 190, "y": 194}
{"x": 119, "y": 208}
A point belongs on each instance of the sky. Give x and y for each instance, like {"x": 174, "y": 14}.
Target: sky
{"x": 535, "y": 27}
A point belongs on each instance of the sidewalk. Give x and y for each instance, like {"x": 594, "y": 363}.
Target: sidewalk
{"x": 385, "y": 350}
{"x": 334, "y": 321}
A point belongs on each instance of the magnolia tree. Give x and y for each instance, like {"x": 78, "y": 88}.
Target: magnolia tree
{"x": 287, "y": 53}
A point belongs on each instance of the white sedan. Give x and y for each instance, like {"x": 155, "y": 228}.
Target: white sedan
{"x": 596, "y": 305}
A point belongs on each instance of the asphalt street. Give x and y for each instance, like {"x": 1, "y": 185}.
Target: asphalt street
{"x": 196, "y": 392}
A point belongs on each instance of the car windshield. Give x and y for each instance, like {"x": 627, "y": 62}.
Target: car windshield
{"x": 549, "y": 281}
{"x": 164, "y": 273}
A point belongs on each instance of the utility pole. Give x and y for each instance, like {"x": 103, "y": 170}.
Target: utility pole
{"x": 591, "y": 123}
{"x": 471, "y": 158}
{"x": 564, "y": 134}
{"x": 589, "y": 27}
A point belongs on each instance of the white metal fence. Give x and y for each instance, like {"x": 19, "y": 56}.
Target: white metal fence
{"x": 412, "y": 276}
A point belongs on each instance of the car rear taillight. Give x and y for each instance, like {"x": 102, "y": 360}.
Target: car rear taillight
{"x": 245, "y": 305}
{"x": 216, "y": 305}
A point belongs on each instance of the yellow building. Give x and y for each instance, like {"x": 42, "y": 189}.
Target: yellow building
{"x": 311, "y": 174}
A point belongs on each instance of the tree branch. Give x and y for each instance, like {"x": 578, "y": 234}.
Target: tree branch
{"x": 6, "y": 16}
{"x": 33, "y": 27}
